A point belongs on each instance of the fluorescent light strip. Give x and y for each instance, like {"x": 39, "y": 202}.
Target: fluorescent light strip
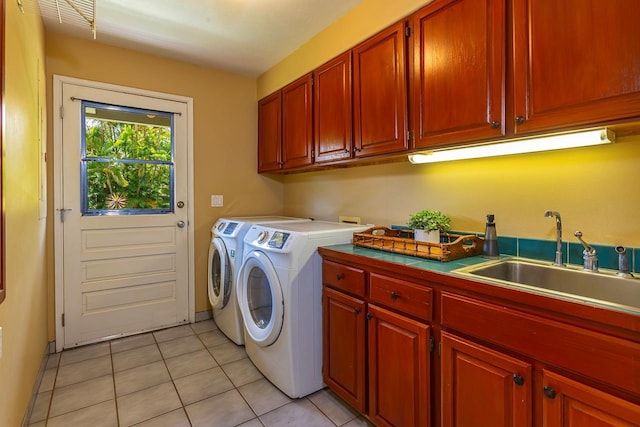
{"x": 531, "y": 145}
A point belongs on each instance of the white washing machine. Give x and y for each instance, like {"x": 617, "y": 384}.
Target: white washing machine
{"x": 279, "y": 291}
{"x": 225, "y": 257}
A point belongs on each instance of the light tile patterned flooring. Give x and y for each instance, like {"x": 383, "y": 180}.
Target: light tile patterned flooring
{"x": 190, "y": 375}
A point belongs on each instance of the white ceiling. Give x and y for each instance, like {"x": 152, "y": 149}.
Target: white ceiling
{"x": 242, "y": 36}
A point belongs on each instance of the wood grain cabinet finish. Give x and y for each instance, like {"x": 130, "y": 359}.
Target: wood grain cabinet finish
{"x": 333, "y": 110}
{"x": 399, "y": 369}
{"x": 270, "y": 133}
{"x": 401, "y": 295}
{"x": 285, "y": 127}
{"x": 566, "y": 73}
{"x": 344, "y": 346}
{"x": 458, "y": 72}
{"x": 380, "y": 93}
{"x": 297, "y": 123}
{"x": 568, "y": 403}
{"x": 343, "y": 277}
{"x": 483, "y": 387}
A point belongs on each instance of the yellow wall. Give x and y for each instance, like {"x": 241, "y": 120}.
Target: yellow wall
{"x": 225, "y": 131}
{"x": 592, "y": 188}
{"x": 23, "y": 314}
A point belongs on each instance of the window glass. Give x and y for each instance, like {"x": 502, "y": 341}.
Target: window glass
{"x": 127, "y": 160}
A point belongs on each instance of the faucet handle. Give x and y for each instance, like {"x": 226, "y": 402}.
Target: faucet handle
{"x": 623, "y": 262}
{"x": 589, "y": 254}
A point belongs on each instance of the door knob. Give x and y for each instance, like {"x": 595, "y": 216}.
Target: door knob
{"x": 180, "y": 204}
{"x": 181, "y": 224}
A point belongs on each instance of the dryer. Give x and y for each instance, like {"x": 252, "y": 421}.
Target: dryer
{"x": 225, "y": 257}
{"x": 279, "y": 292}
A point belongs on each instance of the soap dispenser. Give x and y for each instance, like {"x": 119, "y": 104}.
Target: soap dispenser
{"x": 490, "y": 246}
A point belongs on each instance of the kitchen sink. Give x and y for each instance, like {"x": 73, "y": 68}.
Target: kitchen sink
{"x": 603, "y": 286}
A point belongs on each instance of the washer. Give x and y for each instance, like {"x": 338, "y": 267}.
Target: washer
{"x": 279, "y": 291}
{"x": 225, "y": 257}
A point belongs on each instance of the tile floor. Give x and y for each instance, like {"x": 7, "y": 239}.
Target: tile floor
{"x": 190, "y": 375}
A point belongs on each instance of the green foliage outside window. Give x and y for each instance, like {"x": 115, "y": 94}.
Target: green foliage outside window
{"x": 135, "y": 183}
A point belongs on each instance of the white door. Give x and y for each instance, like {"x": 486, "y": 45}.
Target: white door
{"x": 123, "y": 217}
{"x": 260, "y": 299}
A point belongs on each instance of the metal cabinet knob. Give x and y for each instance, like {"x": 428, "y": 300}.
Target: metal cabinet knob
{"x": 495, "y": 124}
{"x": 180, "y": 224}
{"x": 518, "y": 379}
{"x": 519, "y": 120}
{"x": 549, "y": 392}
{"x": 394, "y": 296}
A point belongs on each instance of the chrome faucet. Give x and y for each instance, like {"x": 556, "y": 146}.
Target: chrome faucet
{"x": 623, "y": 262}
{"x": 551, "y": 214}
{"x": 589, "y": 254}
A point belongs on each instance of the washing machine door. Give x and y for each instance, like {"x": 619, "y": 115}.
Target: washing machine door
{"x": 260, "y": 299}
{"x": 220, "y": 279}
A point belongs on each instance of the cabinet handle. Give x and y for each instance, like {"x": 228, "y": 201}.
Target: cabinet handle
{"x": 394, "y": 296}
{"x": 495, "y": 124}
{"x": 346, "y": 150}
{"x": 549, "y": 392}
{"x": 518, "y": 379}
{"x": 369, "y": 316}
{"x": 356, "y": 311}
{"x": 339, "y": 276}
{"x": 519, "y": 120}
{"x": 356, "y": 149}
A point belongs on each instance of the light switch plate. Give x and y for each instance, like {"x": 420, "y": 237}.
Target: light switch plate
{"x": 217, "y": 201}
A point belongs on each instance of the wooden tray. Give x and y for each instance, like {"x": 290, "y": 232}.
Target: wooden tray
{"x": 451, "y": 246}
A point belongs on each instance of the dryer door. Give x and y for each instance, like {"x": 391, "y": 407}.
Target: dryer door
{"x": 260, "y": 298}
{"x": 219, "y": 274}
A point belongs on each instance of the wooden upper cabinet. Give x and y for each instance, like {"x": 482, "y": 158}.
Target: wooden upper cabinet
{"x": 483, "y": 387}
{"x": 567, "y": 403}
{"x": 380, "y": 93}
{"x": 458, "y": 72}
{"x": 332, "y": 108}
{"x": 270, "y": 133}
{"x": 297, "y": 123}
{"x": 575, "y": 62}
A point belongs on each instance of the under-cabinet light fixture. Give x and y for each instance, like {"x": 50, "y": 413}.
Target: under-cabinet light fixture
{"x": 518, "y": 146}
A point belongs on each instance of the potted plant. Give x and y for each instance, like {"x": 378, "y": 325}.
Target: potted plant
{"x": 428, "y": 224}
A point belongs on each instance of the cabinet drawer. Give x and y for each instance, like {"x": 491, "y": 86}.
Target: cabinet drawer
{"x": 343, "y": 277}
{"x": 611, "y": 360}
{"x": 403, "y": 296}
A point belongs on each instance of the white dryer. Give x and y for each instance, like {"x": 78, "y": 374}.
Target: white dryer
{"x": 225, "y": 257}
{"x": 279, "y": 291}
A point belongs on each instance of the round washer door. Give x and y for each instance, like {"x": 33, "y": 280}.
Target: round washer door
{"x": 219, "y": 274}
{"x": 260, "y": 299}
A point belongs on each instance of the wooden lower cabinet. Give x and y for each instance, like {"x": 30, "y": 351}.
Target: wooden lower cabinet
{"x": 499, "y": 362}
{"x": 343, "y": 346}
{"x": 399, "y": 377}
{"x": 568, "y": 403}
{"x": 482, "y": 387}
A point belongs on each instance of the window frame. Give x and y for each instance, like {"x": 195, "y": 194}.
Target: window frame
{"x": 84, "y": 159}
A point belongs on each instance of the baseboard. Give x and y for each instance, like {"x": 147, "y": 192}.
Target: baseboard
{"x": 203, "y": 315}
{"x": 36, "y": 386}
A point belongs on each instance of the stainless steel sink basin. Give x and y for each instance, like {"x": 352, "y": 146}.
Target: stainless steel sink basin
{"x": 602, "y": 286}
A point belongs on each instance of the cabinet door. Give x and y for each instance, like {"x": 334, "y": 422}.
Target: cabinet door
{"x": 343, "y": 347}
{"x": 482, "y": 387}
{"x": 332, "y": 109}
{"x": 568, "y": 72}
{"x": 399, "y": 374}
{"x": 458, "y": 72}
{"x": 569, "y": 403}
{"x": 270, "y": 133}
{"x": 380, "y": 93}
{"x": 297, "y": 123}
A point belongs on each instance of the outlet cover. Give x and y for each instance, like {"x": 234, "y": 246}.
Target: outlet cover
{"x": 217, "y": 201}
{"x": 349, "y": 219}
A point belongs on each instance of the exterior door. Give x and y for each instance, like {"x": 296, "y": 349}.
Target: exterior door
{"x": 122, "y": 214}
{"x": 260, "y": 299}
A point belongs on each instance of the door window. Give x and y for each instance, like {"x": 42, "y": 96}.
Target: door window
{"x": 127, "y": 161}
